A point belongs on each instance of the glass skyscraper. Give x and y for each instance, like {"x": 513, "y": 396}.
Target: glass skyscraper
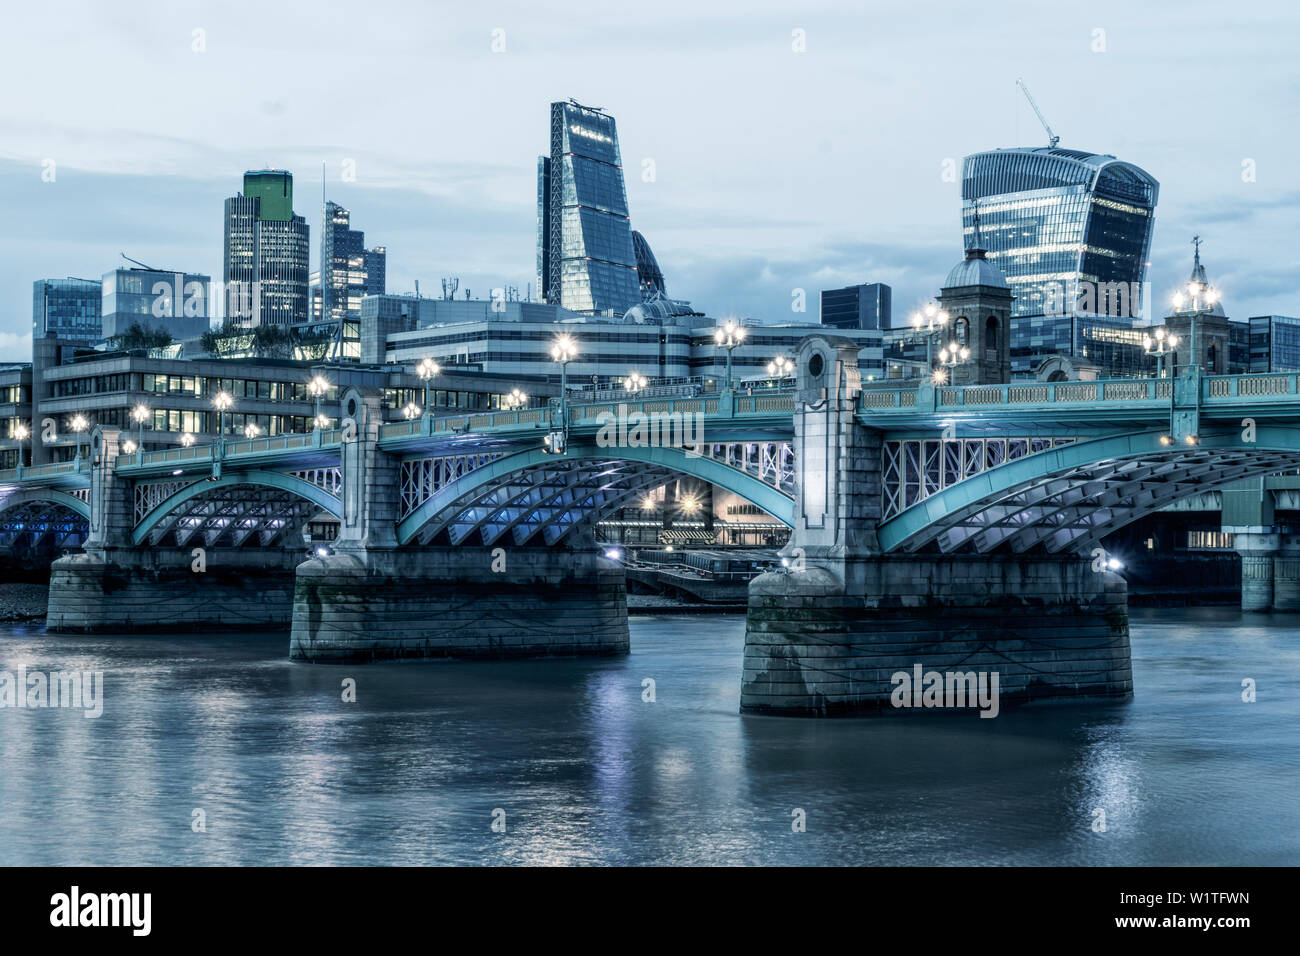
{"x": 585, "y": 259}
{"x": 267, "y": 255}
{"x": 348, "y": 270}
{"x": 866, "y": 306}
{"x": 1064, "y": 226}
{"x": 70, "y": 308}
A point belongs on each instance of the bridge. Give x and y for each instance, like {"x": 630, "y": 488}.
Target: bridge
{"x": 956, "y": 527}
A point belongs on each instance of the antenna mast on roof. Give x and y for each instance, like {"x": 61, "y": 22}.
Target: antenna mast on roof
{"x": 1039, "y": 113}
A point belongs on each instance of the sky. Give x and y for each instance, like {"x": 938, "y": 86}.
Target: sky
{"x": 768, "y": 147}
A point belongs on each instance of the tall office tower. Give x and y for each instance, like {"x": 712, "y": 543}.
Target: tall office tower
{"x": 348, "y": 270}
{"x": 1064, "y": 226}
{"x": 267, "y": 252}
{"x": 865, "y": 306}
{"x": 70, "y": 308}
{"x": 585, "y": 259}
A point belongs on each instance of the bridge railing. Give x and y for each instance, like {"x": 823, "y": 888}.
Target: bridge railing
{"x": 234, "y": 449}
{"x": 1213, "y": 388}
{"x": 45, "y": 471}
{"x": 588, "y": 413}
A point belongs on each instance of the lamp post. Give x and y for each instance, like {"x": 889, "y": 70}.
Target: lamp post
{"x": 1201, "y": 296}
{"x": 411, "y": 411}
{"x": 139, "y": 414}
{"x": 516, "y": 399}
{"x": 78, "y": 425}
{"x": 187, "y": 439}
{"x": 222, "y": 402}
{"x": 129, "y": 447}
{"x": 318, "y": 386}
{"x": 634, "y": 382}
{"x": 929, "y": 322}
{"x": 729, "y": 335}
{"x": 564, "y": 350}
{"x": 1163, "y": 344}
{"x": 20, "y": 431}
{"x": 950, "y": 356}
{"x": 427, "y": 369}
{"x": 780, "y": 367}
{"x": 252, "y": 430}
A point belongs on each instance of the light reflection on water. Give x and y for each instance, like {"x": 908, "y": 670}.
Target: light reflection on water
{"x": 287, "y": 773}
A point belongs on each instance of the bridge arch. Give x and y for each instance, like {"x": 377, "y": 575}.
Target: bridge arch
{"x": 532, "y": 491}
{"x": 1069, "y": 497}
{"x": 38, "y": 513}
{"x": 235, "y": 505}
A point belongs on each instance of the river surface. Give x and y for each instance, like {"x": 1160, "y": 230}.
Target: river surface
{"x": 286, "y": 772}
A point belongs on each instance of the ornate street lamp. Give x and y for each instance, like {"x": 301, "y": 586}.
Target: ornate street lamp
{"x": 78, "y": 425}
{"x": 729, "y": 335}
{"x": 411, "y": 411}
{"x": 780, "y": 367}
{"x": 516, "y": 399}
{"x": 222, "y": 402}
{"x": 1163, "y": 344}
{"x": 20, "y": 431}
{"x": 139, "y": 415}
{"x": 635, "y": 382}
{"x": 950, "y": 356}
{"x": 427, "y": 369}
{"x": 929, "y": 323}
{"x": 129, "y": 447}
{"x": 1201, "y": 297}
{"x": 564, "y": 350}
{"x": 252, "y": 430}
{"x": 318, "y": 386}
{"x": 187, "y": 439}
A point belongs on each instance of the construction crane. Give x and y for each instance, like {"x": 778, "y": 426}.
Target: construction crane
{"x": 1039, "y": 113}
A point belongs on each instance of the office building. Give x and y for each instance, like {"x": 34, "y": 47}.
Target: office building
{"x": 174, "y": 302}
{"x": 267, "y": 255}
{"x": 348, "y": 270}
{"x": 865, "y": 306}
{"x": 1274, "y": 343}
{"x": 70, "y": 308}
{"x": 1066, "y": 227}
{"x": 585, "y": 257}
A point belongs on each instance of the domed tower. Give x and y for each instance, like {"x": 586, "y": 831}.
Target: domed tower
{"x": 978, "y": 300}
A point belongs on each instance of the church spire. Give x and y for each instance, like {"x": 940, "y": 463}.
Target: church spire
{"x": 976, "y": 249}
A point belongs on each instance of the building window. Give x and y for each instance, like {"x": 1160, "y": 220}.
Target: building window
{"x": 1209, "y": 541}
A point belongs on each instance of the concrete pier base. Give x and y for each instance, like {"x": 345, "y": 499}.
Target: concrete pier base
{"x": 449, "y": 603}
{"x": 1258, "y": 548}
{"x": 817, "y": 645}
{"x": 159, "y": 591}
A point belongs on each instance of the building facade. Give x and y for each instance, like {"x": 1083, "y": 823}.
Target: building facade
{"x": 1274, "y": 343}
{"x": 1065, "y": 226}
{"x": 585, "y": 258}
{"x": 70, "y": 308}
{"x": 174, "y": 302}
{"x": 865, "y": 306}
{"x": 266, "y": 253}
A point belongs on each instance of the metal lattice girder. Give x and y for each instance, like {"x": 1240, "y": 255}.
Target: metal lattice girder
{"x": 525, "y": 493}
{"x": 422, "y": 478}
{"x": 329, "y": 479}
{"x": 1074, "y": 495}
{"x": 234, "y": 508}
{"x": 914, "y": 469}
{"x": 771, "y": 462}
{"x": 150, "y": 494}
{"x": 33, "y": 520}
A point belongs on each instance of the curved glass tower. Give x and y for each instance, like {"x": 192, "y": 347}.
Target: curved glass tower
{"x": 1063, "y": 225}
{"x": 585, "y": 260}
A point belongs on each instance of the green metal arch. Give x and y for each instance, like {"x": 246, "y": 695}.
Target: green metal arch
{"x": 270, "y": 479}
{"x": 29, "y": 495}
{"x": 997, "y": 482}
{"x": 756, "y": 492}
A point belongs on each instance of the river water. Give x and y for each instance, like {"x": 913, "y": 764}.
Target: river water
{"x": 286, "y": 772}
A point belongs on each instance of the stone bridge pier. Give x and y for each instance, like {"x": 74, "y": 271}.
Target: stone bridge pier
{"x": 372, "y": 598}
{"x": 827, "y": 635}
{"x": 116, "y": 585}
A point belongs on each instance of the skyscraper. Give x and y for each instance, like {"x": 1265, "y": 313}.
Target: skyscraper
{"x": 348, "y": 270}
{"x": 650, "y": 277}
{"x": 1063, "y": 225}
{"x": 70, "y": 308}
{"x": 865, "y": 306}
{"x": 267, "y": 252}
{"x": 585, "y": 259}
{"x": 174, "y": 302}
